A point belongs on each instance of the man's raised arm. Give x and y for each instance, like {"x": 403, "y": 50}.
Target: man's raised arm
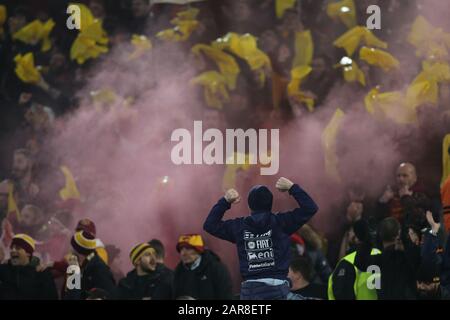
{"x": 214, "y": 224}
{"x": 292, "y": 221}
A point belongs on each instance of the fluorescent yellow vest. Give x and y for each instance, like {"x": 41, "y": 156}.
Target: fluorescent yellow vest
{"x": 362, "y": 292}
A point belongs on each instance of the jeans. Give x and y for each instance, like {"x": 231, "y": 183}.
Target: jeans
{"x": 253, "y": 290}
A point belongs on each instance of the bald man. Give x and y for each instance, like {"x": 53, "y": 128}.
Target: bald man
{"x": 407, "y": 201}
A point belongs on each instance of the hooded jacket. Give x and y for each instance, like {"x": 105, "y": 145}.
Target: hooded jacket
{"x": 263, "y": 238}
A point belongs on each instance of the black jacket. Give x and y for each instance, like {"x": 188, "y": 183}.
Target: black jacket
{"x": 210, "y": 280}
{"x": 94, "y": 274}
{"x": 157, "y": 286}
{"x": 25, "y": 283}
{"x": 398, "y": 272}
{"x": 165, "y": 271}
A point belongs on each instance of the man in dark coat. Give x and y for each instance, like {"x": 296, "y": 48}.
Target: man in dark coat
{"x": 263, "y": 238}
{"x": 19, "y": 279}
{"x": 200, "y": 273}
{"x": 160, "y": 254}
{"x": 409, "y": 202}
{"x": 94, "y": 272}
{"x": 144, "y": 282}
{"x": 398, "y": 262}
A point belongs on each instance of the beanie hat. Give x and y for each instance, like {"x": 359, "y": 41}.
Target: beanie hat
{"x": 83, "y": 242}
{"x": 24, "y": 242}
{"x": 139, "y": 250}
{"x": 260, "y": 198}
{"x": 86, "y": 225}
{"x": 193, "y": 241}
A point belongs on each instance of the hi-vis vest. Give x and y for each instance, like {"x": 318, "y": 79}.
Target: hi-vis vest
{"x": 362, "y": 292}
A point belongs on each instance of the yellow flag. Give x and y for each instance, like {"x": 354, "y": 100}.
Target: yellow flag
{"x": 389, "y": 105}
{"x": 141, "y": 45}
{"x": 282, "y": 5}
{"x": 86, "y": 16}
{"x": 70, "y": 190}
{"x": 35, "y": 32}
{"x": 304, "y": 49}
{"x": 90, "y": 43}
{"x": 379, "y": 58}
{"x": 104, "y": 97}
{"x": 13, "y": 209}
{"x": 245, "y": 46}
{"x": 46, "y": 30}
{"x": 425, "y": 87}
{"x": 214, "y": 88}
{"x": 226, "y": 63}
{"x": 352, "y": 39}
{"x": 185, "y": 23}
{"x": 446, "y": 158}
{"x": 25, "y": 68}
{"x": 351, "y": 71}
{"x": 329, "y": 137}
{"x": 30, "y": 33}
{"x": 298, "y": 74}
{"x": 430, "y": 42}
{"x": 344, "y": 10}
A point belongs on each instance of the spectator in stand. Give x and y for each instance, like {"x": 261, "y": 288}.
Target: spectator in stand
{"x": 200, "y": 273}
{"x": 398, "y": 262}
{"x": 263, "y": 238}
{"x": 433, "y": 274}
{"x": 19, "y": 280}
{"x": 144, "y": 282}
{"x": 94, "y": 272}
{"x": 59, "y": 267}
{"x": 349, "y": 279}
{"x": 308, "y": 243}
{"x": 25, "y": 189}
{"x": 408, "y": 202}
{"x": 160, "y": 253}
{"x": 300, "y": 275}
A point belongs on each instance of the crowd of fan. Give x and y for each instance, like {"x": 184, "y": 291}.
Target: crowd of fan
{"x": 407, "y": 223}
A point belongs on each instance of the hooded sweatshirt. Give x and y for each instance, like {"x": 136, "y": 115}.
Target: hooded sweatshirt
{"x": 263, "y": 238}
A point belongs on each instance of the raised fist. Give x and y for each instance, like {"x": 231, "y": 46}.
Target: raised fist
{"x": 232, "y": 196}
{"x": 284, "y": 184}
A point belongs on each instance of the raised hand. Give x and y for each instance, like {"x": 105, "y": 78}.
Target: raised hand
{"x": 284, "y": 184}
{"x": 232, "y": 196}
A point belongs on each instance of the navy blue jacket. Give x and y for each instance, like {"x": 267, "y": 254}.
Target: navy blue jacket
{"x": 262, "y": 239}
